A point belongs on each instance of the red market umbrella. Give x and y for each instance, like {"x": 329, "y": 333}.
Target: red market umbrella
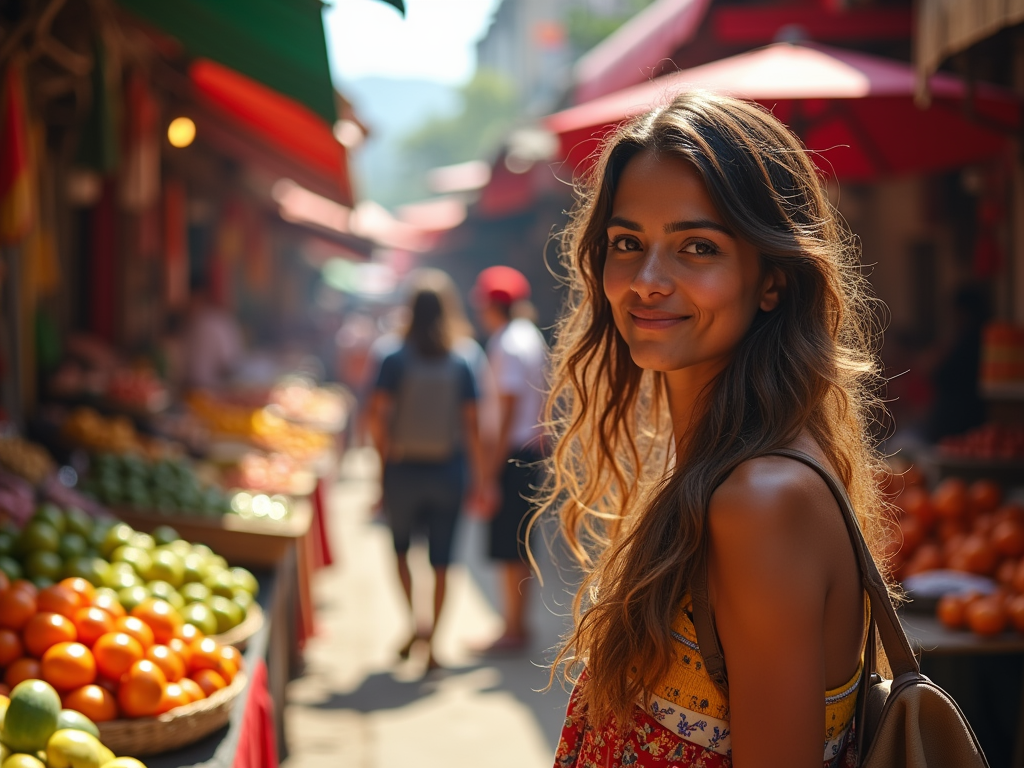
{"x": 854, "y": 111}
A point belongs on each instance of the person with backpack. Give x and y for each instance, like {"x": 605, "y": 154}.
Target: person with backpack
{"x": 424, "y": 422}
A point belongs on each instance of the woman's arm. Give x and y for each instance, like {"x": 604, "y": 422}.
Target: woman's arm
{"x": 377, "y": 414}
{"x": 474, "y": 449}
{"x": 768, "y": 582}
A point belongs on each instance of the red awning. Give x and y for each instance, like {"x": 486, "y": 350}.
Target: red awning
{"x": 855, "y": 111}
{"x": 289, "y": 127}
{"x": 627, "y": 55}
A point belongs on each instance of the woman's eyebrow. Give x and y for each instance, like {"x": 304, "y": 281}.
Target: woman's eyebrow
{"x": 682, "y": 226}
{"x": 619, "y": 221}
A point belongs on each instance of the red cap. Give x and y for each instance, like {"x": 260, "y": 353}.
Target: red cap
{"x": 503, "y": 285}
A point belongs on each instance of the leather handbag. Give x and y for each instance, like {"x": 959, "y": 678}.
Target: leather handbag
{"x": 906, "y": 722}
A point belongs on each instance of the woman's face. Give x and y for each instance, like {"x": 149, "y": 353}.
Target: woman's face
{"x": 683, "y": 289}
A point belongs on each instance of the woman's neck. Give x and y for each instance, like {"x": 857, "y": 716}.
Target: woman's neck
{"x": 686, "y": 388}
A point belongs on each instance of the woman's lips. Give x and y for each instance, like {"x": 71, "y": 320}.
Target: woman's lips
{"x": 655, "y": 320}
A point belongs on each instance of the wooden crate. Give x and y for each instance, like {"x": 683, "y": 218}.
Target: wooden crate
{"x": 241, "y": 541}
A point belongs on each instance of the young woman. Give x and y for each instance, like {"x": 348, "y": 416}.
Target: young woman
{"x": 716, "y": 313}
{"x": 423, "y": 418}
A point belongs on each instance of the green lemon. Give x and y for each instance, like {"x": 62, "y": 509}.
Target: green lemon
{"x": 143, "y": 541}
{"x": 51, "y": 514}
{"x": 39, "y": 535}
{"x": 43, "y": 564}
{"x": 226, "y": 612}
{"x": 11, "y": 568}
{"x": 76, "y": 721}
{"x": 22, "y": 760}
{"x": 165, "y": 535}
{"x": 117, "y": 536}
{"x": 245, "y": 580}
{"x": 89, "y": 567}
{"x": 201, "y": 616}
{"x": 193, "y": 568}
{"x": 202, "y": 549}
{"x": 167, "y": 566}
{"x": 138, "y": 558}
{"x": 8, "y": 543}
{"x": 243, "y": 599}
{"x": 120, "y": 576}
{"x": 165, "y": 591}
{"x": 130, "y": 597}
{"x": 78, "y": 521}
{"x": 220, "y": 583}
{"x": 72, "y": 545}
{"x": 180, "y": 547}
{"x": 195, "y": 592}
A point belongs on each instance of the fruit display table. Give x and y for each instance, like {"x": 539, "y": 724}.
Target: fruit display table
{"x": 985, "y": 675}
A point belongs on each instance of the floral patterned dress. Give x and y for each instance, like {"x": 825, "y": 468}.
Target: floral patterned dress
{"x": 686, "y": 724}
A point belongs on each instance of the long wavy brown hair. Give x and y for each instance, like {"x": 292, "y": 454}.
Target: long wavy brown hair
{"x": 631, "y": 508}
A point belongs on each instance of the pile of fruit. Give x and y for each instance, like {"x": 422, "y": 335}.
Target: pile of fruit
{"x": 104, "y": 661}
{"x": 86, "y": 428}
{"x": 965, "y": 527}
{"x": 987, "y": 442}
{"x": 26, "y": 459}
{"x": 128, "y": 566}
{"x": 137, "y": 388}
{"x": 36, "y": 733}
{"x": 169, "y": 486}
{"x": 260, "y": 427}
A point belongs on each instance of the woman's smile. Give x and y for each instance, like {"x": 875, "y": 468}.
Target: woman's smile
{"x": 655, "y": 319}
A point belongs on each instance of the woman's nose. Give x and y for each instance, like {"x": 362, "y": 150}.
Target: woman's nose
{"x": 652, "y": 277}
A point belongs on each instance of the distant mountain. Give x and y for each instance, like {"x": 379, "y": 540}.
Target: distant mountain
{"x": 391, "y": 109}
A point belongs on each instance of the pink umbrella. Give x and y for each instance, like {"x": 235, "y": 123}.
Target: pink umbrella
{"x": 854, "y": 111}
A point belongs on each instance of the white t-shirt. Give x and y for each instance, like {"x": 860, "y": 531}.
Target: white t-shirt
{"x": 518, "y": 356}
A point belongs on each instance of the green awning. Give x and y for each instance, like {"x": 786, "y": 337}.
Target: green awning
{"x": 280, "y": 43}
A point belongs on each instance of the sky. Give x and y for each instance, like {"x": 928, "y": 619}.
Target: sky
{"x": 435, "y": 41}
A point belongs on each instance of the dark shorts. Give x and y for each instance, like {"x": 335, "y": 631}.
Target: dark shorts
{"x": 424, "y": 498}
{"x": 518, "y": 486}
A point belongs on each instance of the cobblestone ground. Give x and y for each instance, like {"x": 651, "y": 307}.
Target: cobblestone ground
{"x": 358, "y": 706}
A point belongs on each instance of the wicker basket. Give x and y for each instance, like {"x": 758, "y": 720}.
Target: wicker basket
{"x": 239, "y": 635}
{"x": 174, "y": 729}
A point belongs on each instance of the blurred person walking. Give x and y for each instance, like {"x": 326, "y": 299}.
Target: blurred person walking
{"x": 518, "y": 356}
{"x": 423, "y": 418}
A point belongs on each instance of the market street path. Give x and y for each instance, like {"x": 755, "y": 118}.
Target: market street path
{"x": 358, "y": 706}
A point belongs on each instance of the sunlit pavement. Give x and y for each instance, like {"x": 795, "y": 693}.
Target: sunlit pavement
{"x": 357, "y": 705}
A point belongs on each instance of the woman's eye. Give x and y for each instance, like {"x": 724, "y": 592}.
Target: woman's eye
{"x": 700, "y": 248}
{"x": 623, "y": 243}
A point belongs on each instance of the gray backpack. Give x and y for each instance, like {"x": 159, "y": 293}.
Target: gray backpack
{"x": 427, "y": 420}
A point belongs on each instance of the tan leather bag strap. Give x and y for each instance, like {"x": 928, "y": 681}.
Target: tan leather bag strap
{"x": 894, "y": 639}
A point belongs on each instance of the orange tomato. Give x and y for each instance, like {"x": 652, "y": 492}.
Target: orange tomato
{"x": 952, "y": 609}
{"x": 67, "y": 666}
{"x": 1008, "y": 538}
{"x": 110, "y": 604}
{"x": 181, "y": 648}
{"x": 987, "y": 616}
{"x": 169, "y": 662}
{"x": 161, "y": 617}
{"x": 25, "y": 586}
{"x": 11, "y": 647}
{"x": 22, "y": 669}
{"x": 950, "y": 499}
{"x": 115, "y": 653}
{"x": 174, "y": 696}
{"x": 205, "y": 654}
{"x": 209, "y": 681}
{"x": 91, "y": 623}
{"x": 927, "y": 558}
{"x": 17, "y": 606}
{"x": 5, "y": 690}
{"x": 1017, "y": 584}
{"x": 59, "y": 599}
{"x": 5, "y": 582}
{"x": 191, "y": 687}
{"x": 137, "y": 628}
{"x": 110, "y": 686}
{"x": 984, "y": 496}
{"x": 975, "y": 555}
{"x": 915, "y": 503}
{"x": 1006, "y": 571}
{"x": 93, "y": 701}
{"x": 45, "y": 630}
{"x": 141, "y": 689}
{"x": 81, "y": 587}
{"x": 1015, "y": 610}
{"x": 912, "y": 534}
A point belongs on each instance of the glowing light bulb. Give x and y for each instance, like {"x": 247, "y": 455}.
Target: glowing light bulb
{"x": 181, "y": 132}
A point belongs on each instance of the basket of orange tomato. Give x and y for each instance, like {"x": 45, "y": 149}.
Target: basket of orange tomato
{"x": 150, "y": 681}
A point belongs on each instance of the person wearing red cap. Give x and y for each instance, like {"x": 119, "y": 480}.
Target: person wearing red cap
{"x": 518, "y": 357}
